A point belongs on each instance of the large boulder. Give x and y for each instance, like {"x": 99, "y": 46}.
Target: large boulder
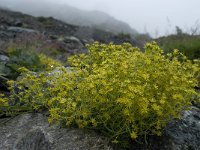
{"x": 72, "y": 43}
{"x": 184, "y": 134}
{"x": 32, "y": 132}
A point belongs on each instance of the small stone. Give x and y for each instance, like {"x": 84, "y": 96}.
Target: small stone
{"x": 4, "y": 58}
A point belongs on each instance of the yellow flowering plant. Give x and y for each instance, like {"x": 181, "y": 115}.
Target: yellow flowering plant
{"x": 116, "y": 89}
{"x": 19, "y": 100}
{"x": 3, "y": 104}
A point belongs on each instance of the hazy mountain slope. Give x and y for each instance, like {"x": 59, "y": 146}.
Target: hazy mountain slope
{"x": 69, "y": 14}
{"x": 13, "y": 24}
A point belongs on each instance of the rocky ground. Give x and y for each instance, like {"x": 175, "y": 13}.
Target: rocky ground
{"x": 70, "y": 38}
{"x": 32, "y": 131}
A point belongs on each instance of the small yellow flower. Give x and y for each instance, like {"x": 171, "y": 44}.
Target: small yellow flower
{"x": 115, "y": 141}
{"x": 133, "y": 135}
{"x": 94, "y": 122}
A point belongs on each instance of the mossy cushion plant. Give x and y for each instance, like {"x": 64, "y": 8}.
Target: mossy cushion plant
{"x": 116, "y": 89}
{"x": 28, "y": 57}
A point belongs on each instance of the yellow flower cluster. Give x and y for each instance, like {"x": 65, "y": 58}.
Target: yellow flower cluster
{"x": 3, "y": 104}
{"x": 116, "y": 89}
{"x": 49, "y": 63}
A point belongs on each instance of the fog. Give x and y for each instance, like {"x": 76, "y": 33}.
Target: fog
{"x": 157, "y": 17}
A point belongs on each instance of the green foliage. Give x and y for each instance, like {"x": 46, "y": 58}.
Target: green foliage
{"x": 3, "y": 69}
{"x": 116, "y": 89}
{"x": 189, "y": 45}
{"x": 3, "y": 104}
{"x": 143, "y": 38}
{"x": 47, "y": 22}
{"x": 27, "y": 58}
{"x": 23, "y": 58}
{"x": 125, "y": 36}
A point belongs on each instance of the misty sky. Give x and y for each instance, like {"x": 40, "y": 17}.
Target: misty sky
{"x": 158, "y": 17}
{"x": 154, "y": 16}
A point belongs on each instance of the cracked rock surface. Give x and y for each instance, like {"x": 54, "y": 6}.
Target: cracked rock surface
{"x": 33, "y": 132}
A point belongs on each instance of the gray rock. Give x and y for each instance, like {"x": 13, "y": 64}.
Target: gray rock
{"x": 72, "y": 44}
{"x": 21, "y": 30}
{"x": 184, "y": 134}
{"x": 4, "y": 58}
{"x": 32, "y": 132}
{"x": 5, "y": 35}
{"x": 69, "y": 39}
{"x": 53, "y": 37}
{"x": 18, "y": 23}
{"x": 2, "y": 27}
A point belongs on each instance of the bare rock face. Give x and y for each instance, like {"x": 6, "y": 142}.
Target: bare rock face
{"x": 32, "y": 132}
{"x": 184, "y": 134}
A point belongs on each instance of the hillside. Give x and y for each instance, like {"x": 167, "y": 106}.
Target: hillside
{"x": 13, "y": 24}
{"x": 71, "y": 15}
